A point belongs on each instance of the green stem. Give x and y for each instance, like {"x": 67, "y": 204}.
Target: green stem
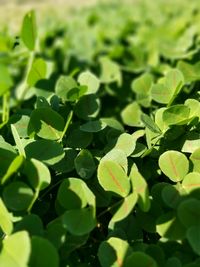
{"x": 69, "y": 118}
{"x": 6, "y": 109}
{"x": 109, "y": 209}
{"x": 24, "y": 85}
{"x": 50, "y": 188}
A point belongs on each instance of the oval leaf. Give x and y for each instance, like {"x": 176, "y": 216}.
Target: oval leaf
{"x": 112, "y": 178}
{"x": 174, "y": 165}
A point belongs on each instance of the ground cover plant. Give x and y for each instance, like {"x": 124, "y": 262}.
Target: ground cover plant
{"x": 99, "y": 137}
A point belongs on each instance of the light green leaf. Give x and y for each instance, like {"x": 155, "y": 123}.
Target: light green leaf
{"x": 150, "y": 124}
{"x": 131, "y": 115}
{"x": 90, "y": 80}
{"x": 191, "y": 182}
{"x": 14, "y": 167}
{"x": 191, "y": 72}
{"x": 29, "y": 31}
{"x": 176, "y": 115}
{"x": 5, "y": 219}
{"x": 112, "y": 178}
{"x": 37, "y": 71}
{"x": 125, "y": 208}
{"x": 126, "y": 143}
{"x": 113, "y": 252}
{"x": 142, "y": 87}
{"x": 169, "y": 226}
{"x": 110, "y": 71}
{"x": 16, "y": 250}
{"x": 141, "y": 188}
{"x": 18, "y": 141}
{"x": 5, "y": 79}
{"x": 174, "y": 165}
{"x": 166, "y": 91}
{"x": 195, "y": 158}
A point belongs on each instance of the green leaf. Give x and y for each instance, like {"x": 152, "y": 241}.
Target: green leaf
{"x": 140, "y": 259}
{"x": 125, "y": 208}
{"x": 170, "y": 227}
{"x": 173, "y": 261}
{"x": 176, "y": 115}
{"x": 131, "y": 115}
{"x": 191, "y": 72}
{"x": 166, "y": 92}
{"x": 93, "y": 126}
{"x": 37, "y": 173}
{"x": 90, "y": 80}
{"x": 5, "y": 219}
{"x": 142, "y": 87}
{"x": 84, "y": 164}
{"x": 17, "y": 196}
{"x": 141, "y": 188}
{"x": 14, "y": 167}
{"x": 29, "y": 30}
{"x": 43, "y": 253}
{"x": 16, "y": 250}
{"x": 194, "y": 107}
{"x": 112, "y": 178}
{"x": 126, "y": 143}
{"x": 110, "y": 71}
{"x": 71, "y": 194}
{"x": 78, "y": 138}
{"x": 46, "y": 123}
{"x": 118, "y": 156}
{"x": 193, "y": 237}
{"x": 191, "y": 142}
{"x": 79, "y": 221}
{"x": 21, "y": 124}
{"x": 32, "y": 223}
{"x": 191, "y": 182}
{"x": 87, "y": 107}
{"x": 18, "y": 141}
{"x": 65, "y": 85}
{"x": 160, "y": 93}
{"x": 37, "y": 71}
{"x": 159, "y": 119}
{"x": 7, "y": 155}
{"x": 150, "y": 124}
{"x": 174, "y": 165}
{"x": 195, "y": 158}
{"x": 113, "y": 252}
{"x": 48, "y": 151}
{"x": 171, "y": 196}
{"x": 189, "y": 212}
{"x": 5, "y": 79}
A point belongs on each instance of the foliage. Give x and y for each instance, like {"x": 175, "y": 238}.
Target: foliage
{"x": 99, "y": 138}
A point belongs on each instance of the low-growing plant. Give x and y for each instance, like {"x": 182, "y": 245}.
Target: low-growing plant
{"x": 99, "y": 144}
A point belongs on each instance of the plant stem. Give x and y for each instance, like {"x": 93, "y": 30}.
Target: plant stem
{"x": 69, "y": 118}
{"x": 108, "y": 209}
{"x": 6, "y": 109}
